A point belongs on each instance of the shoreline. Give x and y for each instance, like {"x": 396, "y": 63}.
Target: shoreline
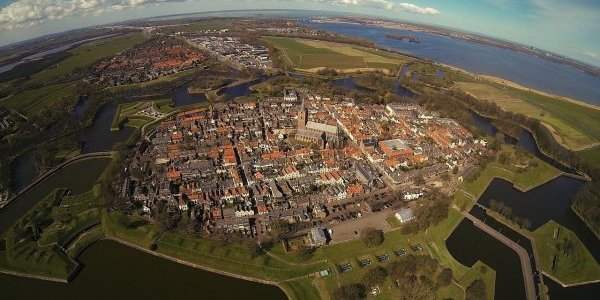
{"x": 512, "y": 84}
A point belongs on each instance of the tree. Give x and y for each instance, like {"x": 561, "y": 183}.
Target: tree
{"x": 444, "y": 278}
{"x": 375, "y": 276}
{"x": 372, "y": 237}
{"x": 476, "y": 291}
{"x": 354, "y": 291}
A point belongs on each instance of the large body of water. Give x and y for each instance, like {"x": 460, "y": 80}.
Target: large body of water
{"x": 523, "y": 68}
{"x": 114, "y": 271}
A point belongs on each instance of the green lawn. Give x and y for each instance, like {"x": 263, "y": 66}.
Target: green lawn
{"x": 480, "y": 271}
{"x": 301, "y": 289}
{"x": 591, "y": 156}
{"x": 574, "y": 263}
{"x": 142, "y": 235}
{"x": 537, "y": 173}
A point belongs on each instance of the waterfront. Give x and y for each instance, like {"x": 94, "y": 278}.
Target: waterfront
{"x": 111, "y": 269}
{"x": 86, "y": 173}
{"x": 99, "y": 137}
{"x": 468, "y": 244}
{"x": 525, "y": 69}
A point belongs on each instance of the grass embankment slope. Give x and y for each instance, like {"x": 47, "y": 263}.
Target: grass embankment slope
{"x": 576, "y": 126}
{"x": 563, "y": 255}
{"x": 230, "y": 257}
{"x": 312, "y": 56}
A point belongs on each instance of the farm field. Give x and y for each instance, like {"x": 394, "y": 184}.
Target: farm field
{"x": 576, "y": 126}
{"x": 312, "y": 55}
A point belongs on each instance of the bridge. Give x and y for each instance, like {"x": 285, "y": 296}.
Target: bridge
{"x": 523, "y": 255}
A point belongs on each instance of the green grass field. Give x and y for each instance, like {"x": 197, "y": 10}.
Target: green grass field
{"x": 537, "y": 173}
{"x": 34, "y": 101}
{"x": 591, "y": 156}
{"x": 87, "y": 54}
{"x": 311, "y": 55}
{"x": 573, "y": 265}
{"x": 576, "y": 126}
{"x": 126, "y": 113}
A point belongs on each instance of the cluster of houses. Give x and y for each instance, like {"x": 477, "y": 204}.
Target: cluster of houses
{"x": 299, "y": 158}
{"x": 152, "y": 60}
{"x": 234, "y": 50}
{"x": 405, "y": 141}
{"x": 7, "y": 120}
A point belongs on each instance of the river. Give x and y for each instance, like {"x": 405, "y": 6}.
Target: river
{"x": 113, "y": 271}
{"x": 526, "y": 69}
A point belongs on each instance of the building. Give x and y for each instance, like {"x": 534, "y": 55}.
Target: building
{"x": 405, "y": 215}
{"x": 316, "y": 237}
{"x": 324, "y": 135}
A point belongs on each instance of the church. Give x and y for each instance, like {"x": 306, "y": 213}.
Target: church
{"x": 324, "y": 135}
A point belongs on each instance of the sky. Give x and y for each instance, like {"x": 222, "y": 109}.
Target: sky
{"x": 567, "y": 27}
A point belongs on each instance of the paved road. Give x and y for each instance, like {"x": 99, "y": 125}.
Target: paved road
{"x": 523, "y": 255}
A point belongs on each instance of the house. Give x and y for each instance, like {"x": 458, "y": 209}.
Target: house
{"x": 405, "y": 215}
{"x": 316, "y": 237}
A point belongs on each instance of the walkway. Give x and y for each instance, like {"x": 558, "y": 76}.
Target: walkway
{"x": 523, "y": 255}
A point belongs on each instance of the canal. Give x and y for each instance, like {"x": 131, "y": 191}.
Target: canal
{"x": 79, "y": 177}
{"x": 550, "y": 201}
{"x": 113, "y": 271}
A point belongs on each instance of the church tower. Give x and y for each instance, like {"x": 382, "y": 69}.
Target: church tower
{"x": 302, "y": 115}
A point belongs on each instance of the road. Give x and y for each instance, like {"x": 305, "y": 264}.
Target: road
{"x": 523, "y": 255}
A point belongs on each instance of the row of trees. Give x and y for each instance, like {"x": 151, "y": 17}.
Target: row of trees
{"x": 506, "y": 211}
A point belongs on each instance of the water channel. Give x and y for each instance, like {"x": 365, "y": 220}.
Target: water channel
{"x": 550, "y": 201}
{"x": 113, "y": 271}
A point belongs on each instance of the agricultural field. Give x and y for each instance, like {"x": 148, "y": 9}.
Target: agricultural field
{"x": 576, "y": 126}
{"x": 312, "y": 55}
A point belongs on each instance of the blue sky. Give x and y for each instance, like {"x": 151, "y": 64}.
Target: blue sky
{"x": 570, "y": 27}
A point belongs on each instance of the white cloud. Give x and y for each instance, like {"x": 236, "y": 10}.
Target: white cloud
{"x": 387, "y": 5}
{"x": 25, "y": 13}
